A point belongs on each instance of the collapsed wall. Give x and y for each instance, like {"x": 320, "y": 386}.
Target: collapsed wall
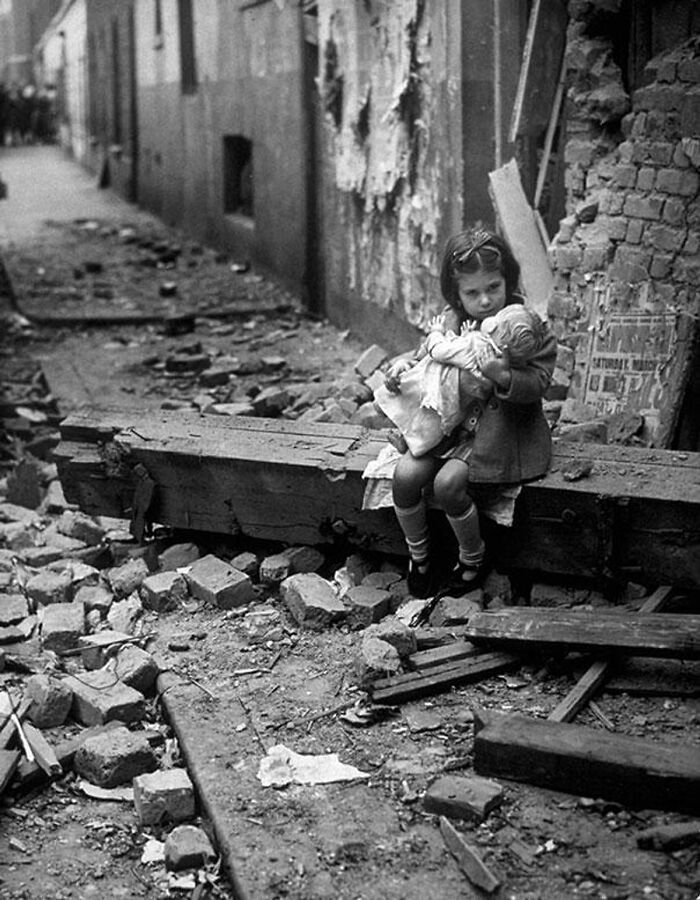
{"x": 627, "y": 255}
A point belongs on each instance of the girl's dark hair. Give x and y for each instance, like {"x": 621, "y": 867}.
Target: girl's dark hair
{"x": 472, "y": 250}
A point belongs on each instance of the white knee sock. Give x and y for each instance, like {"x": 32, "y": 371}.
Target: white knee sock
{"x": 468, "y": 534}
{"x": 414, "y": 524}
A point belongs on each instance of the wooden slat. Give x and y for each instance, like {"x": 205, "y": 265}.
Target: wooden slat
{"x": 428, "y": 659}
{"x": 9, "y": 759}
{"x": 468, "y": 858}
{"x": 551, "y": 630}
{"x": 520, "y": 229}
{"x": 588, "y": 762}
{"x": 417, "y": 684}
{"x": 598, "y": 672}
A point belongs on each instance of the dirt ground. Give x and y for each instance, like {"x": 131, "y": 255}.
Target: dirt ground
{"x": 237, "y": 696}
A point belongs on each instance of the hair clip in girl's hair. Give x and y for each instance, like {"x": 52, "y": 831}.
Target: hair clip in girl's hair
{"x": 488, "y": 255}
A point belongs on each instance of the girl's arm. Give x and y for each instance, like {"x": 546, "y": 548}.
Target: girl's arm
{"x": 529, "y": 383}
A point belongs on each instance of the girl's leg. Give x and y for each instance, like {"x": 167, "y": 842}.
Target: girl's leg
{"x": 451, "y": 494}
{"x": 411, "y": 475}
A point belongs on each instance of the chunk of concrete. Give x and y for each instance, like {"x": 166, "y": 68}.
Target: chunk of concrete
{"x": 187, "y": 847}
{"x": 303, "y": 559}
{"x": 460, "y": 797}
{"x": 115, "y": 757}
{"x": 456, "y": 610}
{"x": 214, "y": 581}
{"x": 97, "y": 699}
{"x": 47, "y": 587}
{"x": 164, "y": 796}
{"x": 312, "y": 600}
{"x": 77, "y": 525}
{"x": 274, "y": 568}
{"x": 62, "y": 625}
{"x": 136, "y": 668}
{"x": 366, "y": 605}
{"x": 163, "y": 591}
{"x": 178, "y": 556}
{"x": 376, "y": 659}
{"x": 13, "y": 608}
{"x": 95, "y": 597}
{"x": 125, "y": 615}
{"x": 127, "y": 578}
{"x": 51, "y": 700}
{"x": 396, "y": 633}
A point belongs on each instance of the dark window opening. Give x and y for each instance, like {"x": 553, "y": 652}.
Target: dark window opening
{"x": 238, "y": 175}
{"x": 116, "y": 85}
{"x": 188, "y": 67}
{"x": 158, "y": 18}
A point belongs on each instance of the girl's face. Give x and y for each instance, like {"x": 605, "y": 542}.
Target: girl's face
{"x": 481, "y": 293}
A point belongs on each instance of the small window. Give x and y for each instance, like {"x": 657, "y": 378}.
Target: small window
{"x": 238, "y": 175}
{"x": 158, "y": 18}
{"x": 188, "y": 66}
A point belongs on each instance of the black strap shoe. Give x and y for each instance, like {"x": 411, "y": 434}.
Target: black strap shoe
{"x": 420, "y": 578}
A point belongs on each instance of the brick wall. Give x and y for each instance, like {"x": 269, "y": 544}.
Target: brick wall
{"x": 631, "y": 234}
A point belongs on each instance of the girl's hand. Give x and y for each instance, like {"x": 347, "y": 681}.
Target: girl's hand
{"x": 392, "y": 378}
{"x": 497, "y": 369}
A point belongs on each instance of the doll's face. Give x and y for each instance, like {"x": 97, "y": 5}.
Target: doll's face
{"x": 481, "y": 293}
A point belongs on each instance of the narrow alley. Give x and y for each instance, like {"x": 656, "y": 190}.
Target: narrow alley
{"x": 220, "y": 676}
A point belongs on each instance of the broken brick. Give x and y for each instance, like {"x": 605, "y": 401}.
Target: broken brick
{"x": 127, "y": 577}
{"x": 115, "y": 757}
{"x": 164, "y": 796}
{"x": 136, "y": 668}
{"x": 163, "y": 591}
{"x": 51, "y": 700}
{"x": 214, "y": 581}
{"x": 48, "y": 587}
{"x": 97, "y": 648}
{"x": 81, "y": 527}
{"x": 187, "y": 847}
{"x": 366, "y": 605}
{"x": 97, "y": 698}
{"x": 460, "y": 797}
{"x": 62, "y": 626}
{"x": 274, "y": 569}
{"x": 312, "y": 600}
{"x": 13, "y": 608}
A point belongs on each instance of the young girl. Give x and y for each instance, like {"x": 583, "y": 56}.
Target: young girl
{"x": 502, "y": 441}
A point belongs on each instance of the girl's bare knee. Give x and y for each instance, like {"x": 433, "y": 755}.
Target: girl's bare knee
{"x": 450, "y": 489}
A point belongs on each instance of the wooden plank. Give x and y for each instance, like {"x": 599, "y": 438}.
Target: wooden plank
{"x": 468, "y": 858}
{"x": 542, "y": 55}
{"x": 9, "y": 729}
{"x": 428, "y": 659}
{"x": 44, "y": 754}
{"x": 517, "y": 220}
{"x": 648, "y": 677}
{"x": 637, "y": 772}
{"x": 420, "y": 685}
{"x": 552, "y": 630}
{"x": 636, "y": 513}
{"x": 9, "y": 759}
{"x": 599, "y": 671}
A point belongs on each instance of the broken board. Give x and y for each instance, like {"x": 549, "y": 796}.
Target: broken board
{"x": 535, "y": 629}
{"x": 584, "y": 761}
{"x": 636, "y": 513}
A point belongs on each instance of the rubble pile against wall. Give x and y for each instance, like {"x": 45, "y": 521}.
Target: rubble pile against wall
{"x": 632, "y": 183}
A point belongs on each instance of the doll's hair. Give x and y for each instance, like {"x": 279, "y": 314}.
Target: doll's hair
{"x": 470, "y": 251}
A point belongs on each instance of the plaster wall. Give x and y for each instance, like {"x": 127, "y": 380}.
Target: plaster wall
{"x": 63, "y": 50}
{"x": 248, "y": 64}
{"x": 390, "y": 77}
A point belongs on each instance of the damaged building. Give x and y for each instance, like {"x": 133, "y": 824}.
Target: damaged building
{"x": 218, "y": 678}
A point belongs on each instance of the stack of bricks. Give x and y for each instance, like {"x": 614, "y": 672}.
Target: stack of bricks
{"x": 632, "y": 179}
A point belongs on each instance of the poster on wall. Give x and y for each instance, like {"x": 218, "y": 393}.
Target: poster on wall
{"x": 639, "y": 361}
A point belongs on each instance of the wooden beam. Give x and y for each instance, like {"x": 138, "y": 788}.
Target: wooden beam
{"x": 9, "y": 760}
{"x": 552, "y": 630}
{"x": 517, "y": 219}
{"x": 637, "y": 772}
{"x": 468, "y": 858}
{"x": 635, "y": 514}
{"x": 598, "y": 672}
{"x": 438, "y": 656}
{"x": 401, "y": 688}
